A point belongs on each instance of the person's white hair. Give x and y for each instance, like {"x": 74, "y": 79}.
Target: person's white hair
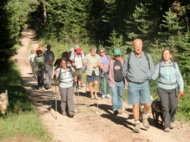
{"x": 102, "y": 49}
{"x": 93, "y": 48}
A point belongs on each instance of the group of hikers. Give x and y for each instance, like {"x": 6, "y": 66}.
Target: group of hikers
{"x": 132, "y": 72}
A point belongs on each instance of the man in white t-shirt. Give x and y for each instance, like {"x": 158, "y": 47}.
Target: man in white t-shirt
{"x": 77, "y": 58}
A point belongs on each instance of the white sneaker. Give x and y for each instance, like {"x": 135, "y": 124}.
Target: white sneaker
{"x": 103, "y": 96}
{"x": 108, "y": 96}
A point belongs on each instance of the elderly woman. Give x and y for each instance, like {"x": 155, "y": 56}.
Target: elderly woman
{"x": 169, "y": 79}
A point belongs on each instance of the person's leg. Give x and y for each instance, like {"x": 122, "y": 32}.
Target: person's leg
{"x": 46, "y": 76}
{"x": 39, "y": 79}
{"x": 173, "y": 102}
{"x": 70, "y": 102}
{"x": 134, "y": 99}
{"x": 164, "y": 98}
{"x": 120, "y": 87}
{"x": 114, "y": 98}
{"x": 96, "y": 88}
{"x": 145, "y": 99}
{"x": 102, "y": 87}
{"x": 90, "y": 85}
{"x": 50, "y": 75}
{"x": 63, "y": 92}
{"x": 80, "y": 78}
{"x": 107, "y": 85}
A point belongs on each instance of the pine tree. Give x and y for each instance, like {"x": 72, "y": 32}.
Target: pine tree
{"x": 183, "y": 56}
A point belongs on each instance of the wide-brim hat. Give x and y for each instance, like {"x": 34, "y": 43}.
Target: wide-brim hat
{"x": 39, "y": 49}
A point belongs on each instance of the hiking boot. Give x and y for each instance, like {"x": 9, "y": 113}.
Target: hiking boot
{"x": 103, "y": 96}
{"x": 115, "y": 113}
{"x": 146, "y": 123}
{"x": 137, "y": 128}
{"x": 171, "y": 125}
{"x": 167, "y": 129}
{"x": 95, "y": 97}
{"x": 71, "y": 114}
{"x": 63, "y": 113}
{"x": 91, "y": 97}
{"x": 120, "y": 112}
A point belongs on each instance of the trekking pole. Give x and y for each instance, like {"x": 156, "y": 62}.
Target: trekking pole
{"x": 56, "y": 97}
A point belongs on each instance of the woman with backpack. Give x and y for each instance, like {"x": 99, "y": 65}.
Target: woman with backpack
{"x": 39, "y": 67}
{"x": 169, "y": 80}
{"x": 66, "y": 74}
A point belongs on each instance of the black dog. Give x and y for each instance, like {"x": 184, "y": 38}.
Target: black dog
{"x": 157, "y": 112}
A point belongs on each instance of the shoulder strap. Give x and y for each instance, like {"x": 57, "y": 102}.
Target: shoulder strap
{"x": 147, "y": 58}
{"x": 174, "y": 65}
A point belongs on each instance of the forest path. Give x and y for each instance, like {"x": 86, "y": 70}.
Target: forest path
{"x": 91, "y": 123}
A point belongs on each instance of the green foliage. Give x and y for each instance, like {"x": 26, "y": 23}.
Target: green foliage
{"x": 184, "y": 107}
{"x": 183, "y": 47}
{"x": 10, "y": 79}
{"x": 67, "y": 20}
{"x": 14, "y": 14}
{"x": 141, "y": 23}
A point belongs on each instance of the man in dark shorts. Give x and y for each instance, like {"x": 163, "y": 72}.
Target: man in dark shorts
{"x": 92, "y": 62}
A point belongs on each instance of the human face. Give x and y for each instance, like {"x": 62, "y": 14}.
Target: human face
{"x": 93, "y": 52}
{"x": 117, "y": 58}
{"x": 166, "y": 55}
{"x": 138, "y": 45}
{"x": 64, "y": 64}
{"x": 102, "y": 53}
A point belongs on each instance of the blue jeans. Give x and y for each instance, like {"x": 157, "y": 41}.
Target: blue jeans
{"x": 117, "y": 95}
{"x": 104, "y": 76}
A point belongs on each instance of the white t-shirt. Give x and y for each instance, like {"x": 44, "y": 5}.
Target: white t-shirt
{"x": 31, "y": 57}
{"x": 78, "y": 61}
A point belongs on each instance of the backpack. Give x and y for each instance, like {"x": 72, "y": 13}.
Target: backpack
{"x": 146, "y": 55}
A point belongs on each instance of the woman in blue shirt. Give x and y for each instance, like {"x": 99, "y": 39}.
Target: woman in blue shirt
{"x": 169, "y": 80}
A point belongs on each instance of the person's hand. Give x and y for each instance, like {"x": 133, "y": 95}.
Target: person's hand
{"x": 95, "y": 66}
{"x": 180, "y": 94}
{"x": 54, "y": 77}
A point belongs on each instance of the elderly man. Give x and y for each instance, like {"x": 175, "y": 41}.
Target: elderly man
{"x": 49, "y": 58}
{"x": 92, "y": 62}
{"x": 138, "y": 68}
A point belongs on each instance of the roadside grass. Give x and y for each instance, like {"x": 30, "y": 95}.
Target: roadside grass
{"x": 25, "y": 124}
{"x": 21, "y": 118}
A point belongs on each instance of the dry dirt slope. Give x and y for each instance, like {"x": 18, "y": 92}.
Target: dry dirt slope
{"x": 90, "y": 124}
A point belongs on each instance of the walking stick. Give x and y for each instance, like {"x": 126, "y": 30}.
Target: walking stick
{"x": 55, "y": 98}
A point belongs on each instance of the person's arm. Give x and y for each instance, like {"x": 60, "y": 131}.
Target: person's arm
{"x": 179, "y": 81}
{"x": 156, "y": 72}
{"x": 125, "y": 66}
{"x": 72, "y": 56}
{"x": 57, "y": 73}
{"x": 151, "y": 64}
{"x": 85, "y": 61}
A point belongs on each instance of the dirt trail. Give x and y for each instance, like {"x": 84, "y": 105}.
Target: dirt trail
{"x": 90, "y": 124}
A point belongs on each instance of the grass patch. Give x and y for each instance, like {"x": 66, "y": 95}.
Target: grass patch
{"x": 25, "y": 124}
{"x": 21, "y": 119}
